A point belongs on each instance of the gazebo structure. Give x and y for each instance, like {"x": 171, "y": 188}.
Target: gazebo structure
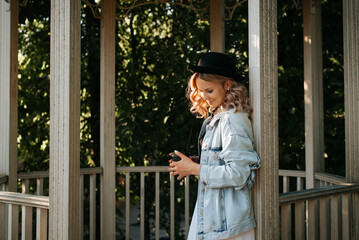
{"x": 328, "y": 207}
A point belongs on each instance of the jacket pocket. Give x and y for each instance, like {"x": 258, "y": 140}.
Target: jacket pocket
{"x": 213, "y": 157}
{"x": 215, "y": 212}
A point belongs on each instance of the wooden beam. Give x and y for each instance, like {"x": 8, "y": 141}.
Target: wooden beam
{"x": 351, "y": 89}
{"x": 263, "y": 88}
{"x": 216, "y": 12}
{"x": 8, "y": 91}
{"x": 107, "y": 120}
{"x": 9, "y": 12}
{"x": 313, "y": 90}
{"x": 65, "y": 71}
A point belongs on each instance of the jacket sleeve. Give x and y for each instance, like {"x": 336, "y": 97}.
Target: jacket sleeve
{"x": 237, "y": 153}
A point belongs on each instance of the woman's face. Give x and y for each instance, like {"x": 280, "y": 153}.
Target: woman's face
{"x": 212, "y": 92}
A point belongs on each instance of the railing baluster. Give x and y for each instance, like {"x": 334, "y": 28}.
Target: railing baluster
{"x": 299, "y": 220}
{"x": 312, "y": 220}
{"x": 286, "y": 213}
{"x": 13, "y": 224}
{"x": 172, "y": 212}
{"x": 127, "y": 206}
{"x": 157, "y": 221}
{"x": 25, "y": 186}
{"x": 81, "y": 206}
{"x": 335, "y": 217}
{"x": 41, "y": 224}
{"x": 324, "y": 218}
{"x": 2, "y": 218}
{"x": 346, "y": 216}
{"x": 340, "y": 215}
{"x": 92, "y": 206}
{"x": 285, "y": 184}
{"x": 142, "y": 224}
{"x": 299, "y": 184}
{"x": 186, "y": 206}
{"x": 286, "y": 222}
{"x": 334, "y": 202}
{"x": 39, "y": 186}
{"x": 26, "y": 223}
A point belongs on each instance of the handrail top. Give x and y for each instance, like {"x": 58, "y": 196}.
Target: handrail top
{"x": 303, "y": 195}
{"x": 328, "y": 177}
{"x": 291, "y": 173}
{"x": 96, "y": 170}
{"x": 35, "y": 174}
{"x": 334, "y": 179}
{"x": 146, "y": 169}
{"x": 321, "y": 176}
{"x": 24, "y": 199}
{"x": 44, "y": 174}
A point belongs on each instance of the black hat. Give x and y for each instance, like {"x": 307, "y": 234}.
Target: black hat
{"x": 216, "y": 63}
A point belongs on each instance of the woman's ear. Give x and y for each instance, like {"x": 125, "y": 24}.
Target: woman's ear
{"x": 227, "y": 85}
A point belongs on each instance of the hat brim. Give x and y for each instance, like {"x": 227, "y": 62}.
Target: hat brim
{"x": 202, "y": 69}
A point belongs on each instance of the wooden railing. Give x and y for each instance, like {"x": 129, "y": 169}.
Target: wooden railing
{"x": 3, "y": 180}
{"x": 156, "y": 170}
{"x": 332, "y": 201}
{"x": 10, "y": 203}
{"x": 35, "y": 178}
{"x": 294, "y": 180}
{"x": 90, "y": 194}
{"x": 318, "y": 213}
{"x": 327, "y": 179}
{"x": 34, "y": 183}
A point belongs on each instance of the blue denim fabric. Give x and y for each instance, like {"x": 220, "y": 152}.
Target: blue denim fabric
{"x": 228, "y": 161}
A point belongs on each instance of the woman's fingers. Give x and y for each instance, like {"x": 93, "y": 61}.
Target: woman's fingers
{"x": 173, "y": 171}
{"x": 181, "y": 155}
{"x": 180, "y": 176}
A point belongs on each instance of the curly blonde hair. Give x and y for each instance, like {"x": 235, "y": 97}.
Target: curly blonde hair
{"x": 236, "y": 97}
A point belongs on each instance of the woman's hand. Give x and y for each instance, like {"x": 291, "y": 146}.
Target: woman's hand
{"x": 184, "y": 167}
{"x": 194, "y": 158}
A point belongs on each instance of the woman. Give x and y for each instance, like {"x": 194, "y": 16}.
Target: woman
{"x": 227, "y": 157}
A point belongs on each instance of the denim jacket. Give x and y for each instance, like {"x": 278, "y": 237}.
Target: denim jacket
{"x": 227, "y": 161}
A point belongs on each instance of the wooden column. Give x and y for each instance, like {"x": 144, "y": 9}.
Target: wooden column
{"x": 263, "y": 86}
{"x": 313, "y": 90}
{"x": 8, "y": 105}
{"x": 107, "y": 120}
{"x": 65, "y": 79}
{"x": 8, "y": 91}
{"x": 351, "y": 90}
{"x": 216, "y": 12}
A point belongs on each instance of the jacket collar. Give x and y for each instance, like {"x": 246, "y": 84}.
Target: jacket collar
{"x": 216, "y": 118}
